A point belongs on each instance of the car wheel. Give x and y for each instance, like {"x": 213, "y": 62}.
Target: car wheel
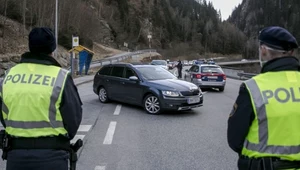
{"x": 221, "y": 89}
{"x": 102, "y": 95}
{"x": 152, "y": 104}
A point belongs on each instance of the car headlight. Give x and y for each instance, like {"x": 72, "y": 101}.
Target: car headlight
{"x": 170, "y": 93}
{"x": 200, "y": 90}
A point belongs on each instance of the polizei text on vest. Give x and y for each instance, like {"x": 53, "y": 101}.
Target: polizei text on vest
{"x": 37, "y": 79}
{"x": 282, "y": 95}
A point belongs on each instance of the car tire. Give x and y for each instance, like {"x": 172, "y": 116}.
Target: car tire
{"x": 221, "y": 89}
{"x": 102, "y": 95}
{"x": 155, "y": 108}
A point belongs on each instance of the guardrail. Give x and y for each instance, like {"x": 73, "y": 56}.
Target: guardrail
{"x": 237, "y": 62}
{"x": 123, "y": 56}
{"x": 246, "y": 75}
{"x": 237, "y": 73}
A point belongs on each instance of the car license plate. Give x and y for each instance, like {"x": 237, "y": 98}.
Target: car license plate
{"x": 193, "y": 100}
{"x": 212, "y": 77}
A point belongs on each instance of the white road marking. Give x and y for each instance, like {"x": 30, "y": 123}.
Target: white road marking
{"x": 99, "y": 168}
{"x": 118, "y": 109}
{"x": 84, "y": 128}
{"x": 110, "y": 133}
{"x": 204, "y": 92}
{"x": 77, "y": 137}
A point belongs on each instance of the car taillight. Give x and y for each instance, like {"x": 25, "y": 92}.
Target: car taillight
{"x": 224, "y": 76}
{"x": 198, "y": 76}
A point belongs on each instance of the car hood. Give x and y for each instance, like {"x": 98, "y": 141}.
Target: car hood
{"x": 163, "y": 66}
{"x": 172, "y": 84}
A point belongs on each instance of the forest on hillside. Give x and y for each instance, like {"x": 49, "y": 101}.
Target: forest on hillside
{"x": 253, "y": 15}
{"x": 189, "y": 27}
{"x": 178, "y": 27}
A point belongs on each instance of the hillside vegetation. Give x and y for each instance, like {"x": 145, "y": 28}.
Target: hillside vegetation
{"x": 178, "y": 27}
{"x": 253, "y": 15}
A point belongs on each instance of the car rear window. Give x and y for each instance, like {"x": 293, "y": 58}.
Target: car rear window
{"x": 159, "y": 62}
{"x": 117, "y": 71}
{"x": 211, "y": 69}
{"x": 105, "y": 71}
{"x": 155, "y": 73}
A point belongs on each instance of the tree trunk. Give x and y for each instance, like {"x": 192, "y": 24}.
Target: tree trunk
{"x": 112, "y": 14}
{"x": 138, "y": 37}
{"x": 24, "y": 17}
{"x": 4, "y": 22}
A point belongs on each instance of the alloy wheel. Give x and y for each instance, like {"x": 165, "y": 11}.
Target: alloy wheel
{"x": 102, "y": 95}
{"x": 152, "y": 104}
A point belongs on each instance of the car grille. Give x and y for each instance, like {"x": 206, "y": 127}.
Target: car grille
{"x": 190, "y": 93}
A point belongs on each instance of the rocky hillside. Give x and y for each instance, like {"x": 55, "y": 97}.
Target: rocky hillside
{"x": 13, "y": 43}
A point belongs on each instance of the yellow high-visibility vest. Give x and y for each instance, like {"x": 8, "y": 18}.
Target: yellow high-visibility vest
{"x": 275, "y": 131}
{"x": 31, "y": 95}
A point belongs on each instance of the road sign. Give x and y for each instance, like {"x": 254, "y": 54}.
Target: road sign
{"x": 75, "y": 42}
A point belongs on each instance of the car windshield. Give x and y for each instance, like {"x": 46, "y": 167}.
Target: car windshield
{"x": 211, "y": 69}
{"x": 159, "y": 62}
{"x": 155, "y": 73}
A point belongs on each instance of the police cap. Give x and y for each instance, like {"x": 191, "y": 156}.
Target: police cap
{"x": 278, "y": 38}
{"x": 42, "y": 40}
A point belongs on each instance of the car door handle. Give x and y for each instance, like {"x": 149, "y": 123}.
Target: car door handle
{"x": 122, "y": 82}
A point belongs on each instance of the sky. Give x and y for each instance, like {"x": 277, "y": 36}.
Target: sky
{"x": 226, "y": 6}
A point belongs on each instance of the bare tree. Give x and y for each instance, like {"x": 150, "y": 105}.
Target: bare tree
{"x": 3, "y": 23}
{"x": 207, "y": 29}
{"x": 24, "y": 17}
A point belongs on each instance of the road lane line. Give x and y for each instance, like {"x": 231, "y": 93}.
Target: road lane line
{"x": 118, "y": 109}
{"x": 99, "y": 168}
{"x": 204, "y": 92}
{"x": 76, "y": 137}
{"x": 110, "y": 133}
{"x": 84, "y": 128}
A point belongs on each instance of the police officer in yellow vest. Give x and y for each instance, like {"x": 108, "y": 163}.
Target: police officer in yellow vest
{"x": 41, "y": 108}
{"x": 264, "y": 125}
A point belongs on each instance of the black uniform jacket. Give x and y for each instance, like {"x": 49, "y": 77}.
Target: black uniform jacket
{"x": 70, "y": 107}
{"x": 242, "y": 114}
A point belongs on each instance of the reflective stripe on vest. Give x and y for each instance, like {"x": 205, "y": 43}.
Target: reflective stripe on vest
{"x": 4, "y": 107}
{"x": 262, "y": 146}
{"x": 51, "y": 112}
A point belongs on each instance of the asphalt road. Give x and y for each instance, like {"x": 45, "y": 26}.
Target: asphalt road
{"x": 123, "y": 137}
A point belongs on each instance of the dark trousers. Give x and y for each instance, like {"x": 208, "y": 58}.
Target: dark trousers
{"x": 266, "y": 163}
{"x": 179, "y": 73}
{"x": 39, "y": 159}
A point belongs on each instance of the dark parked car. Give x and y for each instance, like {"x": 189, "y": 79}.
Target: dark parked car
{"x": 151, "y": 87}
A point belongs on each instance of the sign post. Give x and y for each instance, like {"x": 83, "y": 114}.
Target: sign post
{"x": 56, "y": 28}
{"x": 74, "y": 65}
{"x": 126, "y": 45}
{"x": 150, "y": 37}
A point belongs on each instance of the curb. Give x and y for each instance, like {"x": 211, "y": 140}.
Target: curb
{"x": 84, "y": 82}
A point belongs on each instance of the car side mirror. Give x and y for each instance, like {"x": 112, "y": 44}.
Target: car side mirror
{"x": 133, "y": 78}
